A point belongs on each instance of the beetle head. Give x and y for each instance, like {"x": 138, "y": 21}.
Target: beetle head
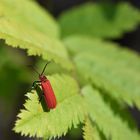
{"x": 42, "y": 78}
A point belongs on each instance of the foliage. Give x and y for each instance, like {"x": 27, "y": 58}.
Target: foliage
{"x": 109, "y": 123}
{"x": 17, "y": 31}
{"x": 99, "y": 20}
{"x": 107, "y": 67}
{"x": 70, "y": 110}
{"x": 90, "y": 131}
{"x": 94, "y": 83}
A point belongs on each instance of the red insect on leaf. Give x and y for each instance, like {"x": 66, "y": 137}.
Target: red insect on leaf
{"x": 47, "y": 89}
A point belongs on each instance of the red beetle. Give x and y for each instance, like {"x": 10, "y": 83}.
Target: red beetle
{"x": 48, "y": 92}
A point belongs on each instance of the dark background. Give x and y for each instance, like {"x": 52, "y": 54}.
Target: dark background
{"x": 56, "y": 7}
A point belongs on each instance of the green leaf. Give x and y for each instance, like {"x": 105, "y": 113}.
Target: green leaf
{"x": 18, "y": 33}
{"x": 111, "y": 125}
{"x": 30, "y": 14}
{"x": 90, "y": 131}
{"x": 100, "y": 20}
{"x": 108, "y": 67}
{"x": 70, "y": 110}
{"x": 79, "y": 44}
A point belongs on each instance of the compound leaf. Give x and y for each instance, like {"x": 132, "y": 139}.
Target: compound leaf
{"x": 30, "y": 14}
{"x": 70, "y": 110}
{"x": 108, "y": 67}
{"x": 17, "y": 31}
{"x": 100, "y": 20}
{"x": 90, "y": 131}
{"x": 111, "y": 125}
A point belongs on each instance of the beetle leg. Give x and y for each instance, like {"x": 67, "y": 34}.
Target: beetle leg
{"x": 31, "y": 88}
{"x": 34, "y": 84}
{"x": 40, "y": 99}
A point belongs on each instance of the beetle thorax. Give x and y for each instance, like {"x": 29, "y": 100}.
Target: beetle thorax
{"x": 42, "y": 78}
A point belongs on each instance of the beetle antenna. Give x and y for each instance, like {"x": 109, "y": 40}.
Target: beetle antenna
{"x": 45, "y": 67}
{"x": 34, "y": 69}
